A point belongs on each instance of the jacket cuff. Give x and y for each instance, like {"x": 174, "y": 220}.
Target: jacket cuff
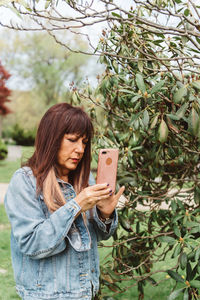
{"x": 102, "y": 225}
{"x": 72, "y": 207}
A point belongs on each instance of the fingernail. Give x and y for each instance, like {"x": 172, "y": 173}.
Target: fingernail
{"x": 110, "y": 191}
{"x": 108, "y": 184}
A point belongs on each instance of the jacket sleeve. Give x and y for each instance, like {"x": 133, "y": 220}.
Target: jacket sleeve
{"x": 102, "y": 231}
{"x": 35, "y": 235}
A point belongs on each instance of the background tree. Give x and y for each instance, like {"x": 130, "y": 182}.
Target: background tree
{"x": 4, "y": 95}
{"x": 150, "y": 97}
{"x": 42, "y": 66}
{"x": 41, "y": 75}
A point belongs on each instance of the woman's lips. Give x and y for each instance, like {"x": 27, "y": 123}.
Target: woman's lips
{"x": 75, "y": 160}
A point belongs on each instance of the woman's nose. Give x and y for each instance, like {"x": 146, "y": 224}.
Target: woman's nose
{"x": 80, "y": 147}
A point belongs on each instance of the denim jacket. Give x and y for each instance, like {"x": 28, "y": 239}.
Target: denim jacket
{"x": 54, "y": 255}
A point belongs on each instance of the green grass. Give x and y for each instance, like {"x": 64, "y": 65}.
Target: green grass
{"x": 7, "y": 168}
{"x": 7, "y": 284}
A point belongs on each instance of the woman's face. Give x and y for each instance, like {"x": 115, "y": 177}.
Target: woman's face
{"x": 71, "y": 152}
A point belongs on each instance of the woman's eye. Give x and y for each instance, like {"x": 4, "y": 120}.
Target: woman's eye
{"x": 71, "y": 140}
{"x": 85, "y": 142}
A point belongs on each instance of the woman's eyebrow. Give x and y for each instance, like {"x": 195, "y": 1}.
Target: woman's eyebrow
{"x": 73, "y": 134}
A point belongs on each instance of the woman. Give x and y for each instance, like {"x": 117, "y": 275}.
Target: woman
{"x": 57, "y": 213}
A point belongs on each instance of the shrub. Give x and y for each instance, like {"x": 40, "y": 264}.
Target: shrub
{"x": 22, "y": 136}
{"x": 3, "y": 150}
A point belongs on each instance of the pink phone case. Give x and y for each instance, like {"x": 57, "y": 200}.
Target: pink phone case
{"x": 107, "y": 167}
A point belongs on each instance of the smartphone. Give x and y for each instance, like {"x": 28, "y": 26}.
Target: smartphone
{"x": 107, "y": 167}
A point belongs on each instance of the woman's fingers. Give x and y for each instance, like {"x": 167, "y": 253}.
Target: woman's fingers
{"x": 120, "y": 192}
{"x": 103, "y": 197}
{"x": 100, "y": 186}
{"x": 99, "y": 190}
{"x": 103, "y": 192}
{"x": 92, "y": 195}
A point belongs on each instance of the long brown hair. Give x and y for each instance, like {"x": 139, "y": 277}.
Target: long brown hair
{"x": 60, "y": 119}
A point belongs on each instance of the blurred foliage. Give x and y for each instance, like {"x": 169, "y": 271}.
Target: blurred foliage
{"x": 41, "y": 72}
{"x": 27, "y": 109}
{"x": 23, "y": 137}
{"x": 4, "y": 95}
{"x": 4, "y": 91}
{"x": 40, "y": 65}
{"x": 3, "y": 150}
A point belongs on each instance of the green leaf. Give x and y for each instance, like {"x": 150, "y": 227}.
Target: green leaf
{"x": 167, "y": 239}
{"x": 140, "y": 65}
{"x": 195, "y": 284}
{"x": 186, "y": 12}
{"x": 183, "y": 260}
{"x": 196, "y": 84}
{"x": 173, "y": 206}
{"x": 197, "y": 39}
{"x": 184, "y": 40}
{"x": 47, "y": 4}
{"x": 157, "y": 87}
{"x": 134, "y": 118}
{"x": 116, "y": 15}
{"x": 180, "y": 94}
{"x": 154, "y": 121}
{"x": 175, "y": 294}
{"x": 198, "y": 269}
{"x": 176, "y": 218}
{"x": 125, "y": 223}
{"x": 131, "y": 180}
{"x": 175, "y": 276}
{"x": 177, "y": 251}
{"x": 115, "y": 66}
{"x": 188, "y": 272}
{"x": 185, "y": 297}
{"x": 140, "y": 83}
{"x": 197, "y": 195}
{"x": 146, "y": 118}
{"x": 193, "y": 122}
{"x": 194, "y": 230}
{"x": 134, "y": 139}
{"x": 152, "y": 281}
{"x": 126, "y": 91}
{"x": 137, "y": 148}
{"x": 163, "y": 132}
{"x": 177, "y": 231}
{"x": 181, "y": 111}
{"x": 134, "y": 99}
{"x": 173, "y": 117}
{"x": 197, "y": 254}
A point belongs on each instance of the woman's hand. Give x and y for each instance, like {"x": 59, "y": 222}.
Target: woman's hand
{"x": 107, "y": 205}
{"x": 89, "y": 197}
